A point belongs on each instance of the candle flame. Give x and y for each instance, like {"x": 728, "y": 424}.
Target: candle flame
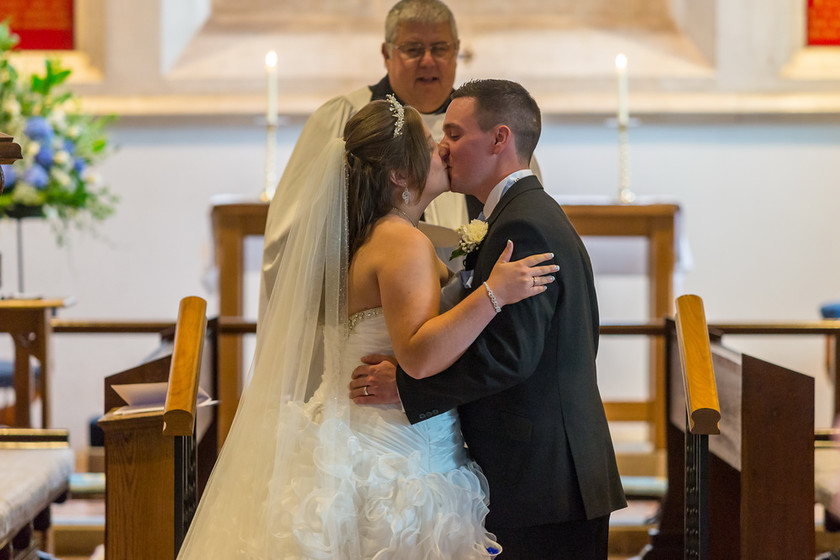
{"x": 271, "y": 59}
{"x": 620, "y": 62}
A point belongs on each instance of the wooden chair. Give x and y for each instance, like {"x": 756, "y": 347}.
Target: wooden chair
{"x": 150, "y": 457}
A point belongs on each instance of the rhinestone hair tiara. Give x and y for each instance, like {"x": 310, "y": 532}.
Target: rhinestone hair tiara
{"x": 399, "y": 113}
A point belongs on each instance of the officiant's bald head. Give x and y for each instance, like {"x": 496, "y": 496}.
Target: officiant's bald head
{"x": 420, "y": 52}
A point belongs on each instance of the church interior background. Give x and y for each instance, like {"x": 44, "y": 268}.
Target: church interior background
{"x": 734, "y": 117}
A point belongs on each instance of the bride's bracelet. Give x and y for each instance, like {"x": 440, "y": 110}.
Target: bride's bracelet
{"x": 492, "y": 297}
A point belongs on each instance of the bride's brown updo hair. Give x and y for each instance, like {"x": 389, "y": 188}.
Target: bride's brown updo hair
{"x": 372, "y": 152}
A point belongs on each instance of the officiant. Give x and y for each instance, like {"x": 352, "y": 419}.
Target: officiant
{"x": 420, "y": 53}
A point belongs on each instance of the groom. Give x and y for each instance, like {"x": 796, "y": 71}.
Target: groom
{"x": 526, "y": 389}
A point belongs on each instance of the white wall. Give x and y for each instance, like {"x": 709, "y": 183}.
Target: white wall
{"x": 759, "y": 203}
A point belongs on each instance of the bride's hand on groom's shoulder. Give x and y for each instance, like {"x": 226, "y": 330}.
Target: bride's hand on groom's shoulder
{"x": 374, "y": 381}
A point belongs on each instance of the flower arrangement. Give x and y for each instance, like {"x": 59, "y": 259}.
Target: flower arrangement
{"x": 471, "y": 235}
{"x": 54, "y": 179}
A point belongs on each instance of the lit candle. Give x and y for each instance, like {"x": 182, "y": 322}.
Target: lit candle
{"x": 621, "y": 71}
{"x": 271, "y": 78}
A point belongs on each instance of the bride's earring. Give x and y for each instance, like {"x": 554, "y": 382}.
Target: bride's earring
{"x": 406, "y": 196}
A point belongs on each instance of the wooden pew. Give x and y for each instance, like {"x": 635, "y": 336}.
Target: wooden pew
{"x": 35, "y": 467}
{"x": 152, "y": 481}
{"x": 761, "y": 466}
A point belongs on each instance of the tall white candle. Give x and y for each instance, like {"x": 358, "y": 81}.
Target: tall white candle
{"x": 271, "y": 79}
{"x": 621, "y": 72}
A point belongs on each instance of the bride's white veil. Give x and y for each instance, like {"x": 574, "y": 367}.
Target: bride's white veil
{"x": 252, "y": 489}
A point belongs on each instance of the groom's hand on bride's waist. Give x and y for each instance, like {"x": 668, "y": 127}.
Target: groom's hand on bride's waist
{"x": 375, "y": 381}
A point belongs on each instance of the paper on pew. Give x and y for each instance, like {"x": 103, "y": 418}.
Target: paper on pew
{"x": 150, "y": 397}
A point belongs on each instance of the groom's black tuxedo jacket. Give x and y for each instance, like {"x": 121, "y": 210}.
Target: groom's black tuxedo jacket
{"x": 526, "y": 389}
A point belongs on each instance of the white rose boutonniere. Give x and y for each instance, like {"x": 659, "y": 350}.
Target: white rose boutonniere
{"x": 471, "y": 235}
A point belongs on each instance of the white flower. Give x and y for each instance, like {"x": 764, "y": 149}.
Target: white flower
{"x": 61, "y": 157}
{"x": 26, "y": 194}
{"x": 12, "y": 107}
{"x": 57, "y": 118}
{"x": 60, "y": 176}
{"x": 471, "y": 235}
{"x": 33, "y": 148}
{"x": 91, "y": 177}
{"x": 474, "y": 232}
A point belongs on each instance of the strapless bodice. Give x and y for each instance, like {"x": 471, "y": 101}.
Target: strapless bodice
{"x": 437, "y": 442}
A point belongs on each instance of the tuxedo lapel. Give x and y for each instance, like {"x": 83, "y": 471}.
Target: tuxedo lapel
{"x": 522, "y": 185}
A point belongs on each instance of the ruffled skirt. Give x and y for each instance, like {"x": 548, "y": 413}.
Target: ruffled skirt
{"x": 329, "y": 480}
{"x": 383, "y": 505}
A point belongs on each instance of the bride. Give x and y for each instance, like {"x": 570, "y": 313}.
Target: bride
{"x": 313, "y": 476}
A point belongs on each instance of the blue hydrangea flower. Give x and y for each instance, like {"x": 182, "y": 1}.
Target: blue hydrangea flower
{"x": 69, "y": 146}
{"x": 36, "y": 176}
{"x": 9, "y": 176}
{"x": 38, "y": 129}
{"x": 45, "y": 156}
{"x": 79, "y": 165}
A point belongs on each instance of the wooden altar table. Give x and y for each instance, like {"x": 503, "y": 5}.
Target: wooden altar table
{"x": 232, "y": 223}
{"x": 656, "y": 223}
{"x": 28, "y": 323}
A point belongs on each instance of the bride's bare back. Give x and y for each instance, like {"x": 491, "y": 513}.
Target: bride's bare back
{"x": 397, "y": 269}
{"x": 396, "y": 258}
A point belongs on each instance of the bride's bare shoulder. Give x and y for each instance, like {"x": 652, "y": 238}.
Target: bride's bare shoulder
{"x": 394, "y": 238}
{"x": 390, "y": 228}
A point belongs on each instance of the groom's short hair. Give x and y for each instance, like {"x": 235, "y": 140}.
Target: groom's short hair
{"x": 508, "y": 103}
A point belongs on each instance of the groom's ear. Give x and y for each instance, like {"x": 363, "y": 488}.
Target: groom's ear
{"x": 502, "y": 137}
{"x": 398, "y": 177}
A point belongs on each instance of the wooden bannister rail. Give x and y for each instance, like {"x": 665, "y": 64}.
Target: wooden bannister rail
{"x": 241, "y": 325}
{"x": 618, "y": 411}
{"x": 96, "y": 326}
{"x": 701, "y": 398}
{"x": 702, "y": 417}
{"x": 179, "y": 411}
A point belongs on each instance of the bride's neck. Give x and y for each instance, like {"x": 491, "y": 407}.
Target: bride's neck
{"x": 408, "y": 213}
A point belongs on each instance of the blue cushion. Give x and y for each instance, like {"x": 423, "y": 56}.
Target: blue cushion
{"x": 7, "y": 373}
{"x": 831, "y": 310}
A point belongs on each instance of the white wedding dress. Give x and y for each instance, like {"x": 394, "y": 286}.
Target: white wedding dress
{"x": 365, "y": 485}
{"x": 410, "y": 492}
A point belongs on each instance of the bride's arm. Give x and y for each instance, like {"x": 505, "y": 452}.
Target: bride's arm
{"x": 424, "y": 342}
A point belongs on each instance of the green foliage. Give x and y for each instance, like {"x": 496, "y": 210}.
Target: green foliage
{"x": 55, "y": 179}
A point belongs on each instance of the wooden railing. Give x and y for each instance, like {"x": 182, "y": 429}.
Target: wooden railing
{"x": 701, "y": 395}
{"x": 702, "y": 420}
{"x": 179, "y": 411}
{"x": 616, "y": 411}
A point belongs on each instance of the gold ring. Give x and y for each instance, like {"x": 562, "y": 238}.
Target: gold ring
{"x": 535, "y": 282}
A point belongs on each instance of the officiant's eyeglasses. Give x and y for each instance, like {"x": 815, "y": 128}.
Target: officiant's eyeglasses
{"x": 440, "y": 51}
